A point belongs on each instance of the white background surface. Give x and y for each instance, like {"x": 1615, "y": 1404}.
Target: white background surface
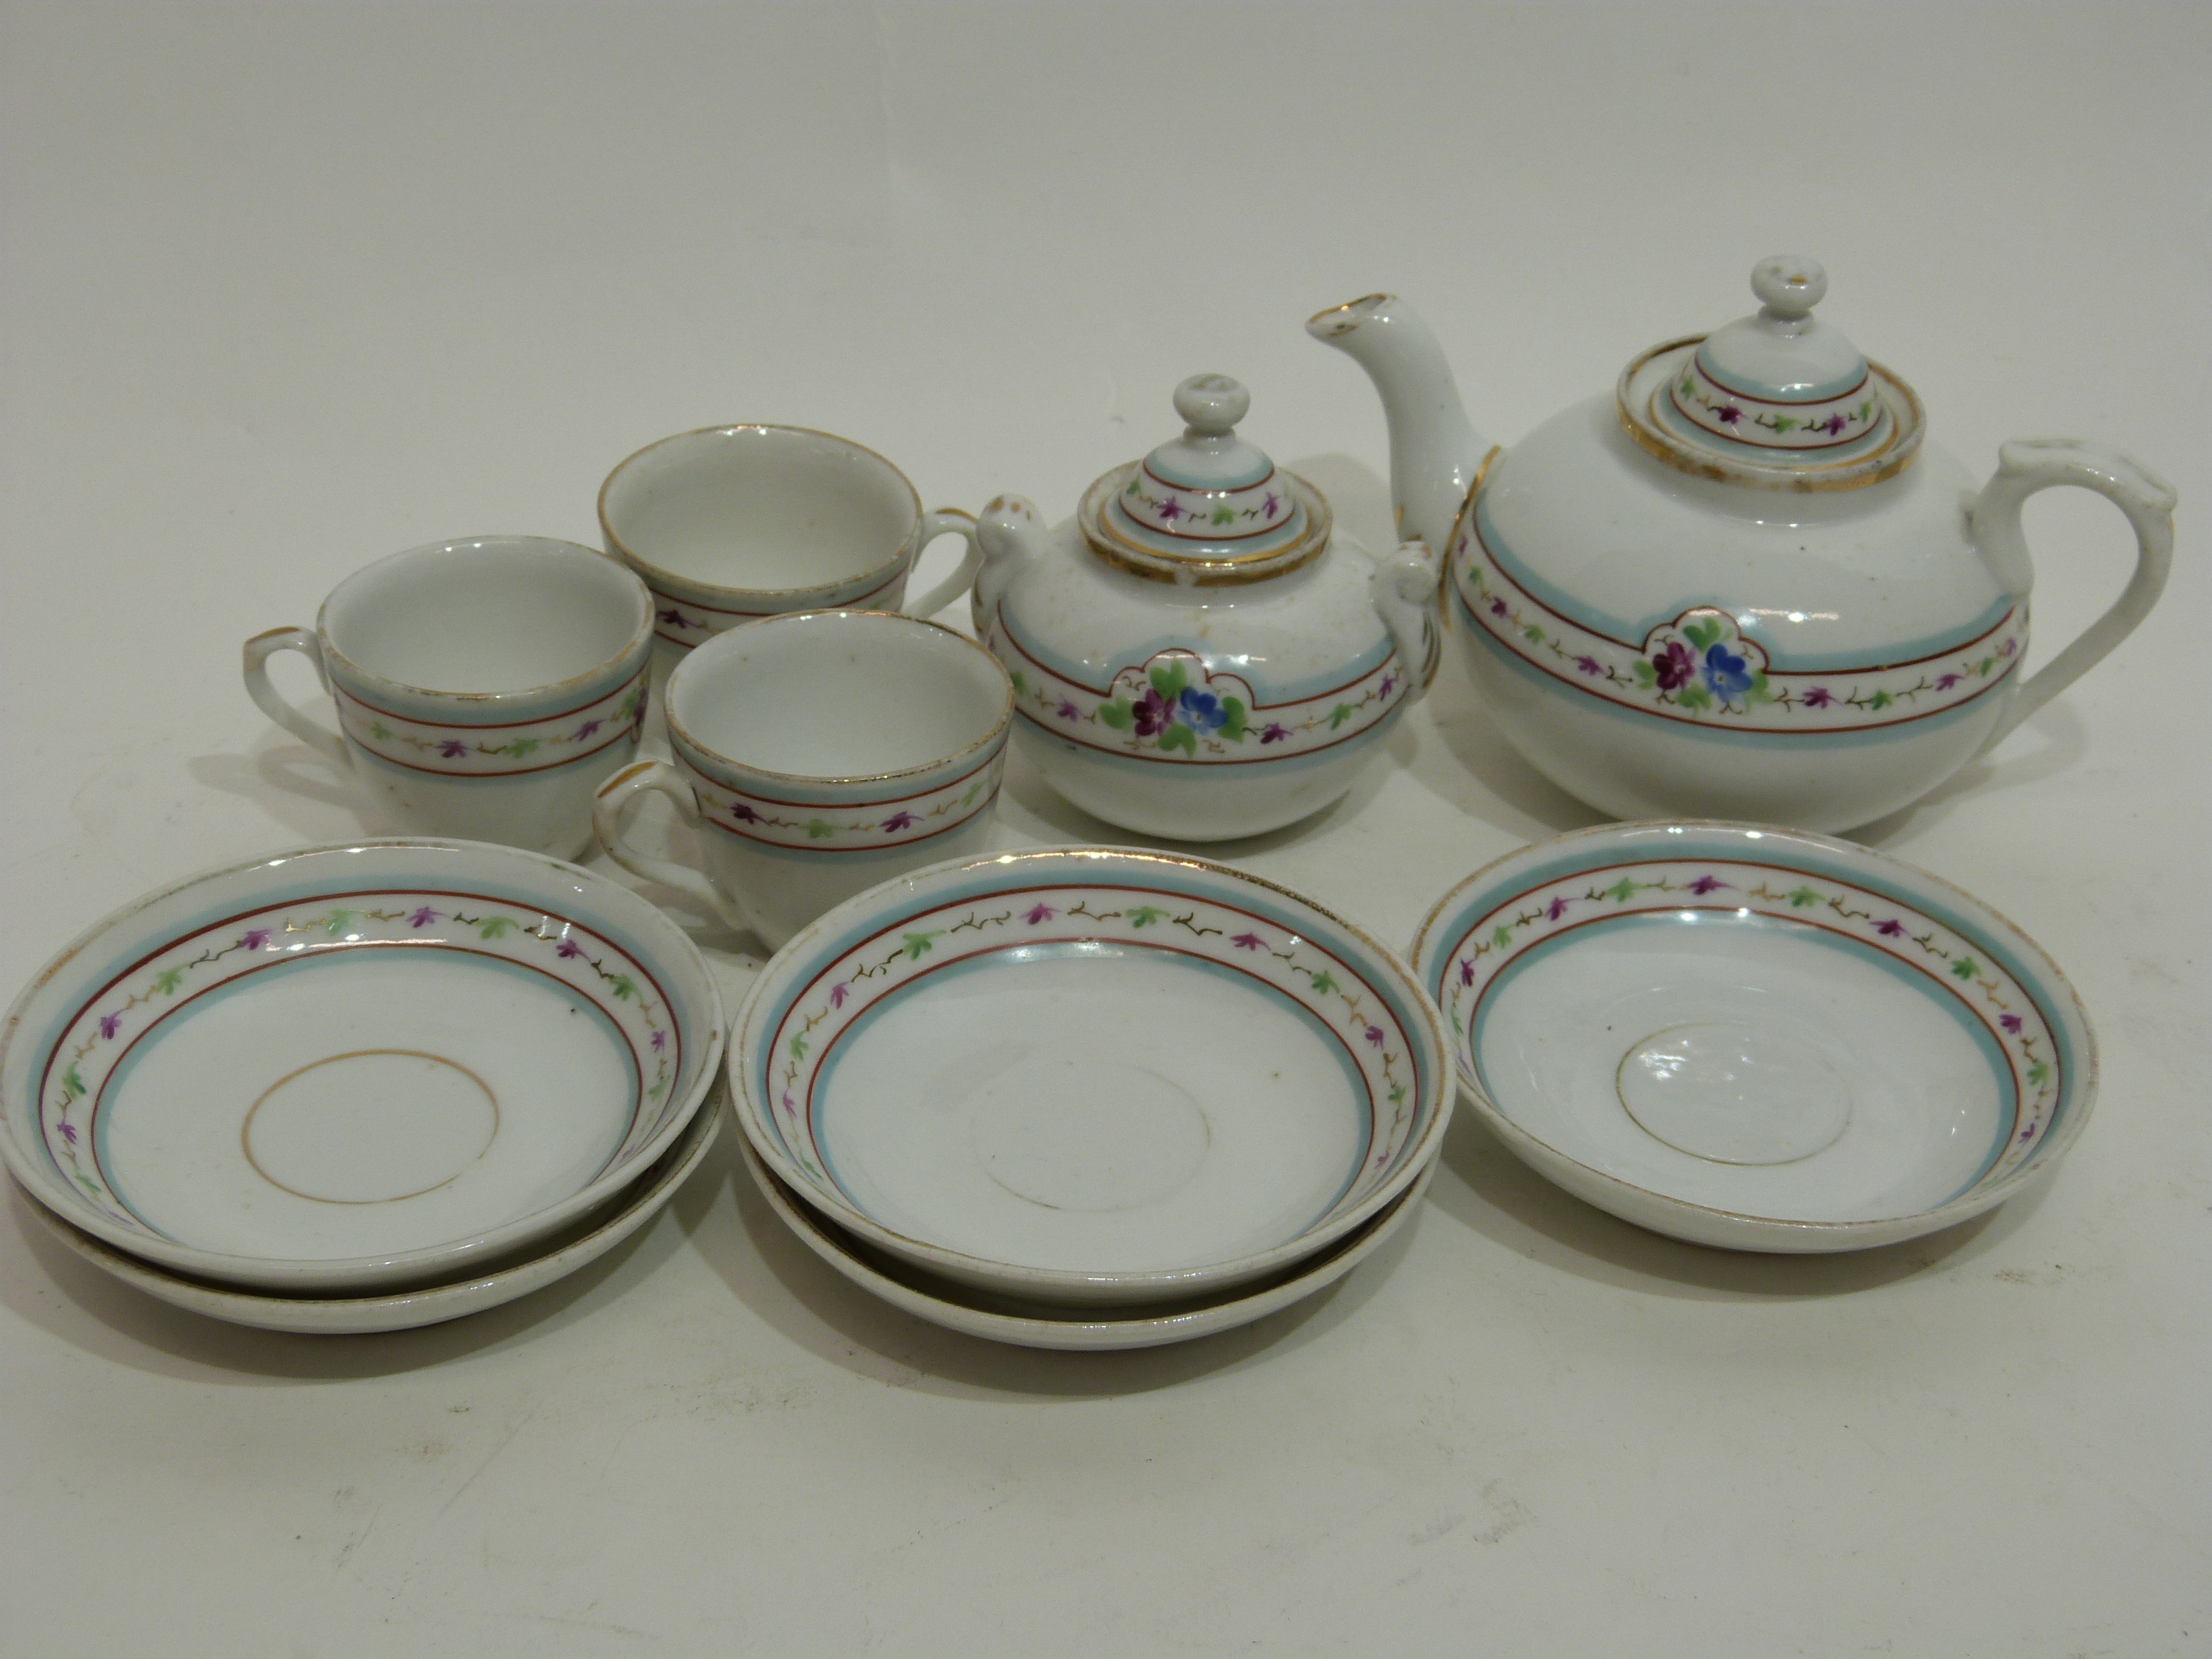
{"x": 286, "y": 289}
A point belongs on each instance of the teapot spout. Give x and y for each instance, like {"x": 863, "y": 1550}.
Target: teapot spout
{"x": 1434, "y": 453}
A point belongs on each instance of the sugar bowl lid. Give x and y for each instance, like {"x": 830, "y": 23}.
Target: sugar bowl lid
{"x": 1777, "y": 400}
{"x": 1207, "y": 507}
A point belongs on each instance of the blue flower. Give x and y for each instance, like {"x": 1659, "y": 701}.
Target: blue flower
{"x": 1202, "y": 711}
{"x": 1725, "y": 672}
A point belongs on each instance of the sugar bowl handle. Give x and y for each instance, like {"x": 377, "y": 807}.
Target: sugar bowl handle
{"x": 2025, "y": 465}
{"x": 315, "y": 733}
{"x": 945, "y": 521}
{"x": 1404, "y": 591}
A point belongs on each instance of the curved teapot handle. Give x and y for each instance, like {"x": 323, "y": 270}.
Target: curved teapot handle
{"x": 2025, "y": 465}
{"x": 1404, "y": 591}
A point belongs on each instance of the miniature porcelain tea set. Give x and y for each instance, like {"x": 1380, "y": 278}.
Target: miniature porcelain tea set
{"x": 1092, "y": 1097}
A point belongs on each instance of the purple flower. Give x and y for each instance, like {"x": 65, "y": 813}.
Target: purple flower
{"x": 1557, "y": 908}
{"x": 743, "y": 813}
{"x": 1945, "y": 682}
{"x": 1276, "y": 733}
{"x": 586, "y": 730}
{"x": 1037, "y": 913}
{"x": 660, "y": 1040}
{"x": 424, "y": 917}
{"x": 1067, "y": 710}
{"x": 1727, "y": 414}
{"x": 453, "y": 749}
{"x": 1171, "y": 509}
{"x": 838, "y": 992}
{"x": 787, "y": 1106}
{"x": 1202, "y": 710}
{"x": 1498, "y": 608}
{"x": 1466, "y": 971}
{"x": 2010, "y": 1022}
{"x": 1375, "y": 1036}
{"x": 676, "y": 618}
{"x": 2007, "y": 647}
{"x": 1725, "y": 672}
{"x": 69, "y": 1132}
{"x": 1589, "y": 665}
{"x": 1269, "y": 504}
{"x": 1248, "y": 942}
{"x": 568, "y": 948}
{"x": 900, "y": 820}
{"x": 1890, "y": 927}
{"x": 110, "y": 1024}
{"x": 1708, "y": 885}
{"x": 1390, "y": 684}
{"x": 1831, "y": 426}
{"x": 1818, "y": 697}
{"x": 2028, "y": 1133}
{"x": 1674, "y": 667}
{"x": 1154, "y": 713}
{"x": 254, "y": 939}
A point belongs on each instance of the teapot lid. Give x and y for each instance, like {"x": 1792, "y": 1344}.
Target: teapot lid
{"x": 1207, "y": 507}
{"x": 1777, "y": 400}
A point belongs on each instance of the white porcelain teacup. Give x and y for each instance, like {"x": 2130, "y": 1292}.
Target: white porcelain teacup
{"x": 731, "y": 523}
{"x": 485, "y": 687}
{"x": 819, "y": 754}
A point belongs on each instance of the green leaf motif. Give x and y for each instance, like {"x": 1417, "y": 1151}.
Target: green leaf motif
{"x": 1136, "y": 488}
{"x": 522, "y": 746}
{"x": 1323, "y": 984}
{"x": 1865, "y": 410}
{"x": 1694, "y": 696}
{"x": 1502, "y": 937}
{"x": 819, "y": 828}
{"x": 1760, "y": 691}
{"x": 1168, "y": 680}
{"x": 1397, "y": 1094}
{"x": 1622, "y": 890}
{"x": 72, "y": 1084}
{"x": 1337, "y": 715}
{"x": 1880, "y": 700}
{"x": 623, "y": 986}
{"x": 1983, "y": 668}
{"x": 1786, "y": 424}
{"x": 798, "y": 1047}
{"x": 1233, "y": 719}
{"x": 1224, "y": 514}
{"x": 1803, "y": 896}
{"x": 1144, "y": 915}
{"x": 1646, "y": 675}
{"x": 973, "y": 790}
{"x": 917, "y": 944}
{"x": 379, "y": 729}
{"x": 628, "y": 706}
{"x": 168, "y": 980}
{"x": 660, "y": 1087}
{"x": 339, "y": 921}
{"x": 1533, "y": 634}
{"x": 1179, "y": 736}
{"x": 1703, "y": 634}
{"x": 2039, "y": 1073}
{"x": 1021, "y": 682}
{"x": 1965, "y": 968}
{"x": 495, "y": 927}
{"x": 1115, "y": 713}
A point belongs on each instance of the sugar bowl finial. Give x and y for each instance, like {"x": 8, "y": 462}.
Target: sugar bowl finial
{"x": 1789, "y": 286}
{"x": 1212, "y": 404}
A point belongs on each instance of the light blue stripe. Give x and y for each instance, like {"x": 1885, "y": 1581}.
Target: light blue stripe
{"x": 1252, "y": 671}
{"x": 2008, "y": 1097}
{"x": 1799, "y": 393}
{"x": 1015, "y": 955}
{"x": 1795, "y": 662}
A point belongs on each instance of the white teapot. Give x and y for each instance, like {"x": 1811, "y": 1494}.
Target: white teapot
{"x": 1192, "y": 656}
{"x": 1740, "y": 585}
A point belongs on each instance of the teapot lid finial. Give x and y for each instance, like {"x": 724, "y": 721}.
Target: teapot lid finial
{"x": 1206, "y": 507}
{"x": 1778, "y": 399}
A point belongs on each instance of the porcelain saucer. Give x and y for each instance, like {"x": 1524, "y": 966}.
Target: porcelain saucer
{"x": 399, "y": 1310}
{"x": 1757, "y": 1037}
{"x": 1095, "y": 1075}
{"x": 1030, "y": 1325}
{"x": 357, "y": 1067}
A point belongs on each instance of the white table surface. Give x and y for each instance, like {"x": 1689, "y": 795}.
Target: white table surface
{"x": 287, "y": 287}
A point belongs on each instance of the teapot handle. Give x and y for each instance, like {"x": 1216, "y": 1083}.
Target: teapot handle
{"x": 1404, "y": 590}
{"x": 2025, "y": 465}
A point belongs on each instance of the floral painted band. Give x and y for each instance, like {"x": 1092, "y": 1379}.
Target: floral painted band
{"x": 109, "y": 1025}
{"x": 1699, "y": 669}
{"x": 1170, "y": 708}
{"x": 1317, "y": 980}
{"x": 846, "y": 826}
{"x": 454, "y": 750}
{"x": 688, "y": 622}
{"x": 1958, "y": 967}
{"x": 1828, "y": 424}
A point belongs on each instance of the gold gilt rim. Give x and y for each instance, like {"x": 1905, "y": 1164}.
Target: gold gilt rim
{"x": 1181, "y": 569}
{"x": 1886, "y": 462}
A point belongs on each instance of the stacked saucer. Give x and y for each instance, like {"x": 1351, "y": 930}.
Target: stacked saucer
{"x": 362, "y": 1087}
{"x": 1088, "y": 1097}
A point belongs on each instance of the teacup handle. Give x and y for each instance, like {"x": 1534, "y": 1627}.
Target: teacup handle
{"x": 607, "y": 808}
{"x": 946, "y": 520}
{"x": 2025, "y": 465}
{"x": 1404, "y": 591}
{"x": 258, "y": 650}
